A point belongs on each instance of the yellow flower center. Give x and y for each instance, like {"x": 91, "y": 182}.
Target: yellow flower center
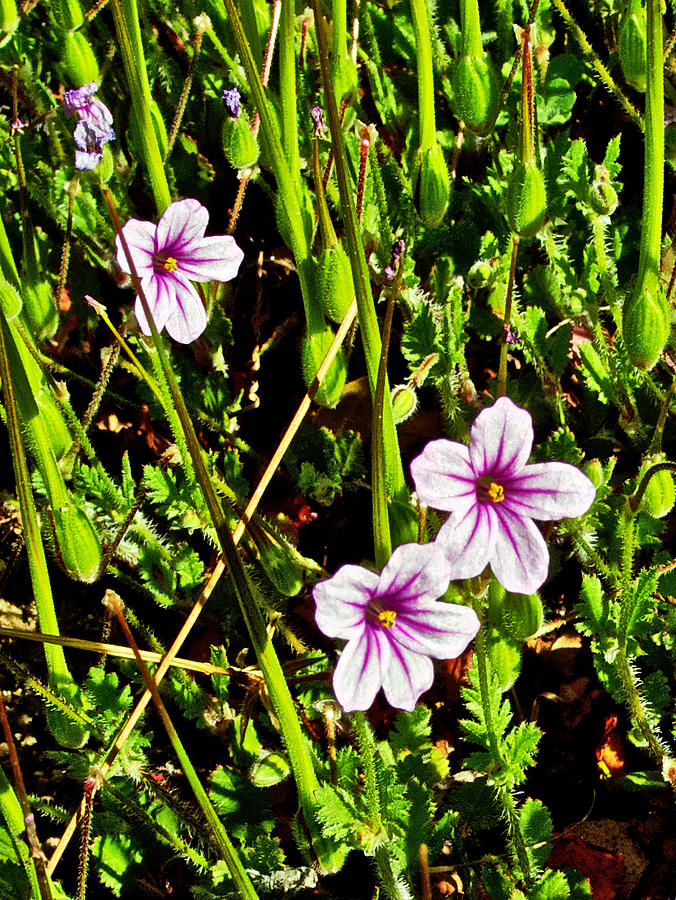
{"x": 170, "y": 264}
{"x": 489, "y": 491}
{"x": 496, "y": 492}
{"x": 387, "y": 618}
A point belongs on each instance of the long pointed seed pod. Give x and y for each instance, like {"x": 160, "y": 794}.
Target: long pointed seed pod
{"x": 646, "y": 317}
{"x": 526, "y": 195}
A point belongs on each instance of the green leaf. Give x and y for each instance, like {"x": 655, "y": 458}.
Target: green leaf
{"x": 115, "y": 856}
{"x": 421, "y": 336}
{"x": 269, "y": 769}
{"x": 593, "y": 608}
{"x": 552, "y": 886}
{"x": 536, "y": 828}
{"x": 642, "y": 603}
{"x": 519, "y": 748}
{"x": 337, "y": 814}
{"x": 412, "y": 731}
{"x": 596, "y": 374}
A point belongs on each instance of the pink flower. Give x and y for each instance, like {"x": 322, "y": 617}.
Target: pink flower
{"x": 493, "y": 496}
{"x": 393, "y": 623}
{"x": 171, "y": 255}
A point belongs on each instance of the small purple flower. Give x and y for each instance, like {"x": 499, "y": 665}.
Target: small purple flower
{"x": 393, "y": 624}
{"x": 168, "y": 257}
{"x": 398, "y": 248}
{"x": 318, "y": 122}
{"x": 493, "y": 496}
{"x": 231, "y": 99}
{"x": 89, "y": 142}
{"x": 95, "y": 124}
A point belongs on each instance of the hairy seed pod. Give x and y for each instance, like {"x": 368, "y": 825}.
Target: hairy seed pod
{"x": 38, "y": 306}
{"x": 475, "y": 93}
{"x": 79, "y": 63}
{"x": 404, "y": 522}
{"x": 526, "y": 199}
{"x": 633, "y": 45}
{"x": 646, "y": 324}
{"x": 78, "y": 543}
{"x": 239, "y": 144}
{"x": 660, "y": 493}
{"x": 334, "y": 282}
{"x": 522, "y": 615}
{"x": 435, "y": 186}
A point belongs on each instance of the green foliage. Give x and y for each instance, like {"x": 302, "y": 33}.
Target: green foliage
{"x": 323, "y": 464}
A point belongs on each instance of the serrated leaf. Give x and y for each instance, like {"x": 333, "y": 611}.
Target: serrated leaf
{"x": 642, "y": 599}
{"x": 115, "y": 856}
{"x": 421, "y": 336}
{"x": 593, "y": 608}
{"x": 412, "y": 730}
{"x": 519, "y": 748}
{"x": 337, "y": 814}
{"x": 552, "y": 886}
{"x": 596, "y": 374}
{"x": 536, "y": 828}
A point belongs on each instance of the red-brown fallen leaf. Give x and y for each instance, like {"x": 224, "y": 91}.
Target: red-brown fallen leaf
{"x": 605, "y": 871}
{"x": 453, "y": 672}
{"x": 610, "y": 752}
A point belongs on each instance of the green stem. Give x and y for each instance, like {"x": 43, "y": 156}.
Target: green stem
{"x": 278, "y": 690}
{"x": 287, "y": 86}
{"x": 59, "y": 676}
{"x": 504, "y": 793}
{"x": 366, "y": 312}
{"x": 421, "y": 32}
{"x": 471, "y": 29}
{"x": 125, "y": 15}
{"x": 502, "y": 366}
{"x": 653, "y": 184}
{"x": 598, "y": 235}
{"x": 339, "y": 22}
{"x": 381, "y": 524}
{"x": 600, "y": 69}
{"x": 229, "y": 854}
{"x": 366, "y": 754}
{"x": 622, "y": 665}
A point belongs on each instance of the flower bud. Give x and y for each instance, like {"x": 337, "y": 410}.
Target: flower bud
{"x": 277, "y": 560}
{"x": 603, "y": 198}
{"x": 475, "y": 93}
{"x": 481, "y": 275}
{"x": 78, "y": 543}
{"x": 435, "y": 186}
{"x": 79, "y": 63}
{"x": 633, "y": 45}
{"x": 404, "y": 402}
{"x": 660, "y": 494}
{"x": 239, "y": 144}
{"x": 334, "y": 282}
{"x": 313, "y": 351}
{"x": 68, "y": 14}
{"x": 526, "y": 199}
{"x": 646, "y": 323}
{"x": 522, "y": 615}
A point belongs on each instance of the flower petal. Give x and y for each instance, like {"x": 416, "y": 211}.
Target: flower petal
{"x": 182, "y": 223}
{"x": 140, "y": 237}
{"x": 442, "y": 630}
{"x": 520, "y": 559}
{"x": 188, "y": 318}
{"x": 160, "y": 297}
{"x": 341, "y": 601}
{"x": 501, "y": 439}
{"x": 414, "y": 572}
{"x": 550, "y": 490}
{"x": 211, "y": 259}
{"x": 467, "y": 542}
{"x": 443, "y": 476}
{"x": 358, "y": 674}
{"x": 406, "y": 677}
